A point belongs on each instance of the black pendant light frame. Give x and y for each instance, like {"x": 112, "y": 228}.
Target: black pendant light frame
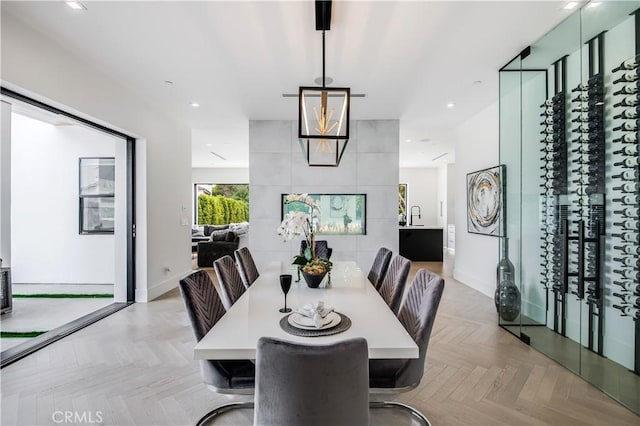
{"x": 323, "y": 23}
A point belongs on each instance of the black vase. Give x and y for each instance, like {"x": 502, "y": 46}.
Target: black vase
{"x": 507, "y": 295}
{"x": 313, "y": 280}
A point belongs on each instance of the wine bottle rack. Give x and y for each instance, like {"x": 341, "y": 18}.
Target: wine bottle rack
{"x": 626, "y": 186}
{"x": 554, "y": 183}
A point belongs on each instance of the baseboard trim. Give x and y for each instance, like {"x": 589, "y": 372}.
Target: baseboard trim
{"x": 144, "y": 295}
{"x": 468, "y": 278}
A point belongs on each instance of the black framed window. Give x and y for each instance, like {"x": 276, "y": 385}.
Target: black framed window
{"x": 97, "y": 192}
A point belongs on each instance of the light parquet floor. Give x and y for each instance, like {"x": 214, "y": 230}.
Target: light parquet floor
{"x": 136, "y": 367}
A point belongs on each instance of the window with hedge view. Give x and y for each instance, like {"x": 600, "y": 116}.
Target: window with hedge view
{"x": 221, "y": 204}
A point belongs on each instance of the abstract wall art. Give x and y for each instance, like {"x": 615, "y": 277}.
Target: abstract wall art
{"x": 485, "y": 201}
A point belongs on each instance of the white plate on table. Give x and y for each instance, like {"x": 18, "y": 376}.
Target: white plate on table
{"x": 300, "y": 321}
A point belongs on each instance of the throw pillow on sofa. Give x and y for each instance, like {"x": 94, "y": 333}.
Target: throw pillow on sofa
{"x": 219, "y": 235}
{"x": 230, "y": 237}
{"x": 209, "y": 229}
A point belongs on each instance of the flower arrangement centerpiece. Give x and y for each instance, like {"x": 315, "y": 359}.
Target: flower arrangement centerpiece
{"x": 303, "y": 223}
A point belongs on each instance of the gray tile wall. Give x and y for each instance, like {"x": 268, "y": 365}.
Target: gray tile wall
{"x": 369, "y": 166}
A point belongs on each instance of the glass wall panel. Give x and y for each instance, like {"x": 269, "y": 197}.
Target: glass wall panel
{"x": 510, "y": 157}
{"x": 573, "y": 195}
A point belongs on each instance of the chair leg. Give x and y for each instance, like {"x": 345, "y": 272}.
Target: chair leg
{"x": 223, "y": 409}
{"x": 392, "y": 404}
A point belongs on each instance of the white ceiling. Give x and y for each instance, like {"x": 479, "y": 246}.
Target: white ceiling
{"x": 237, "y": 58}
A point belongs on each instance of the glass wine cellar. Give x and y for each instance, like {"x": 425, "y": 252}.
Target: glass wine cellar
{"x": 569, "y": 115}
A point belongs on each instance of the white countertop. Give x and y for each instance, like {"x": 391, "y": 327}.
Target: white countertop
{"x": 420, "y": 227}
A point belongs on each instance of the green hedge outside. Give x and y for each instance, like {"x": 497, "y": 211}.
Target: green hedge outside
{"x": 219, "y": 210}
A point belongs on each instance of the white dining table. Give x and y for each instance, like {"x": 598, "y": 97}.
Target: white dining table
{"x": 255, "y": 314}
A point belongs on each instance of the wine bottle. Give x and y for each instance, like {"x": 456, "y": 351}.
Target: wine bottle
{"x": 627, "y": 101}
{"x": 628, "y": 89}
{"x": 629, "y": 249}
{"x": 553, "y": 174}
{"x": 628, "y": 236}
{"x": 554, "y": 110}
{"x": 587, "y": 128}
{"x": 628, "y": 298}
{"x": 627, "y": 138}
{"x": 551, "y": 156}
{"x": 554, "y": 100}
{"x": 627, "y": 162}
{"x": 587, "y": 149}
{"x": 627, "y": 150}
{"x": 627, "y": 77}
{"x": 586, "y": 190}
{"x": 550, "y": 184}
{"x": 553, "y": 138}
{"x": 629, "y": 64}
{"x": 551, "y": 164}
{"x": 628, "y": 199}
{"x": 592, "y": 96}
{"x": 628, "y": 286}
{"x": 549, "y": 120}
{"x": 632, "y": 262}
{"x": 586, "y": 169}
{"x": 628, "y": 175}
{"x": 632, "y": 212}
{"x": 628, "y": 113}
{"x": 628, "y": 126}
{"x": 628, "y": 187}
{"x": 628, "y": 273}
{"x": 552, "y": 239}
{"x": 629, "y": 224}
{"x": 629, "y": 311}
{"x": 550, "y": 130}
{"x": 586, "y": 180}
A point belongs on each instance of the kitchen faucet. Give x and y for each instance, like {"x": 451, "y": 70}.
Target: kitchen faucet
{"x": 412, "y": 215}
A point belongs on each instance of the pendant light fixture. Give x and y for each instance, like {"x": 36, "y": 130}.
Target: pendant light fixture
{"x": 323, "y": 112}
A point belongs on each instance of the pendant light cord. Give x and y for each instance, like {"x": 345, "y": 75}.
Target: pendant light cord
{"x": 323, "y": 85}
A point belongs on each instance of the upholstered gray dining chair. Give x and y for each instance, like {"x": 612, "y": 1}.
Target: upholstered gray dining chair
{"x": 246, "y": 266}
{"x": 322, "y": 248}
{"x": 394, "y": 282}
{"x": 311, "y": 384}
{"x": 229, "y": 279}
{"x": 204, "y": 309}
{"x": 379, "y": 267}
{"x": 417, "y": 316}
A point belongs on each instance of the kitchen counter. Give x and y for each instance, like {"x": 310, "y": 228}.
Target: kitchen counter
{"x": 421, "y": 243}
{"x": 420, "y": 227}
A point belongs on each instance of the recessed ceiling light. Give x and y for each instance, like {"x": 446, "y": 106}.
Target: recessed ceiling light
{"x": 168, "y": 82}
{"x": 594, "y": 4}
{"x": 408, "y": 141}
{"x": 450, "y": 105}
{"x": 425, "y": 140}
{"x": 194, "y": 104}
{"x": 477, "y": 82}
{"x": 76, "y": 5}
{"x": 570, "y": 5}
{"x": 208, "y": 144}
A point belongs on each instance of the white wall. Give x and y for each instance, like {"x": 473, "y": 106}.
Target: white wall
{"x": 369, "y": 166}
{"x": 476, "y": 149}
{"x": 442, "y": 197}
{"x": 219, "y": 175}
{"x": 46, "y": 246}
{"x": 5, "y": 185}
{"x": 163, "y": 147}
{"x": 422, "y": 190}
{"x": 451, "y": 194}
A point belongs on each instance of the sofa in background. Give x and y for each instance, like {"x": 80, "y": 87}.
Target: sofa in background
{"x": 216, "y": 241}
